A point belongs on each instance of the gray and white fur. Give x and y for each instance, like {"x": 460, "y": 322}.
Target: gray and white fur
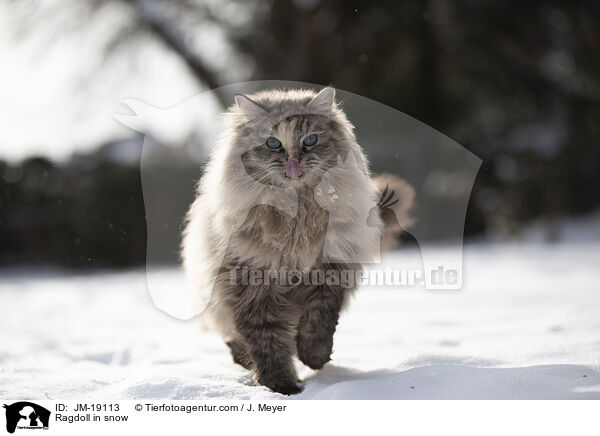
{"x": 235, "y": 221}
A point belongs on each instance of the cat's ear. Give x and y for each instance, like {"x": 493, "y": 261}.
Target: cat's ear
{"x": 248, "y": 107}
{"x": 323, "y": 101}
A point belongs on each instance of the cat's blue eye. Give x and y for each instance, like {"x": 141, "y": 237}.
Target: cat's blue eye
{"x": 310, "y": 140}
{"x": 273, "y": 143}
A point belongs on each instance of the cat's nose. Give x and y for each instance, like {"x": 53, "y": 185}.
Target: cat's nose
{"x": 293, "y": 153}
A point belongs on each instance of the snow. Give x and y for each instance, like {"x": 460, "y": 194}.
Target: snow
{"x": 525, "y": 325}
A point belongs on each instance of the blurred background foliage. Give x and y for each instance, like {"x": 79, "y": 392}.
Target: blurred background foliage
{"x": 517, "y": 83}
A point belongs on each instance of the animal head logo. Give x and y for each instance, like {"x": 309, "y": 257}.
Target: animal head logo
{"x": 440, "y": 175}
{"x": 26, "y": 415}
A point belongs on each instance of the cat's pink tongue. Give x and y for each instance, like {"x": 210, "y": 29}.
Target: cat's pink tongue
{"x": 292, "y": 169}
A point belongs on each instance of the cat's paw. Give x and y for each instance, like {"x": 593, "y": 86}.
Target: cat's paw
{"x": 283, "y": 386}
{"x": 287, "y": 388}
{"x": 314, "y": 352}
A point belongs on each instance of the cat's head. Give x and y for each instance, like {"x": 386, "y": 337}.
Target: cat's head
{"x": 290, "y": 138}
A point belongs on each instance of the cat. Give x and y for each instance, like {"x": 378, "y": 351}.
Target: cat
{"x": 287, "y": 188}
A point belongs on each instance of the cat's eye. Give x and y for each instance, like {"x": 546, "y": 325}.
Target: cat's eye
{"x": 273, "y": 143}
{"x": 310, "y": 140}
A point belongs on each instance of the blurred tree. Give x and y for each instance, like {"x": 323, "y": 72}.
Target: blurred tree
{"x": 515, "y": 82}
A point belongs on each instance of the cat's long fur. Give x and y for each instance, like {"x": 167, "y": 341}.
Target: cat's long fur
{"x": 246, "y": 218}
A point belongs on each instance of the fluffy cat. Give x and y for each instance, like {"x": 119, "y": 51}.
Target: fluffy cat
{"x": 287, "y": 188}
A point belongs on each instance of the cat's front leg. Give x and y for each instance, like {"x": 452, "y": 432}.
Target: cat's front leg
{"x": 321, "y": 310}
{"x": 261, "y": 318}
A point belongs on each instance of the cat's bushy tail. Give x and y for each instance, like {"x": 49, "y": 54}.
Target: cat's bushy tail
{"x": 396, "y": 199}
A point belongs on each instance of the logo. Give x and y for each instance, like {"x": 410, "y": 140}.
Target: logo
{"x": 438, "y": 172}
{"x": 26, "y": 415}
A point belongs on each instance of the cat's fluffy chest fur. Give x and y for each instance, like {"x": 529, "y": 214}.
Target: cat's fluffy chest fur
{"x": 275, "y": 239}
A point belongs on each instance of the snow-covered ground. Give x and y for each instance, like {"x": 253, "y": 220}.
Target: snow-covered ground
{"x": 525, "y": 325}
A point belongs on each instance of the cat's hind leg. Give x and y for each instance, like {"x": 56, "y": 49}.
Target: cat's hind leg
{"x": 239, "y": 352}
